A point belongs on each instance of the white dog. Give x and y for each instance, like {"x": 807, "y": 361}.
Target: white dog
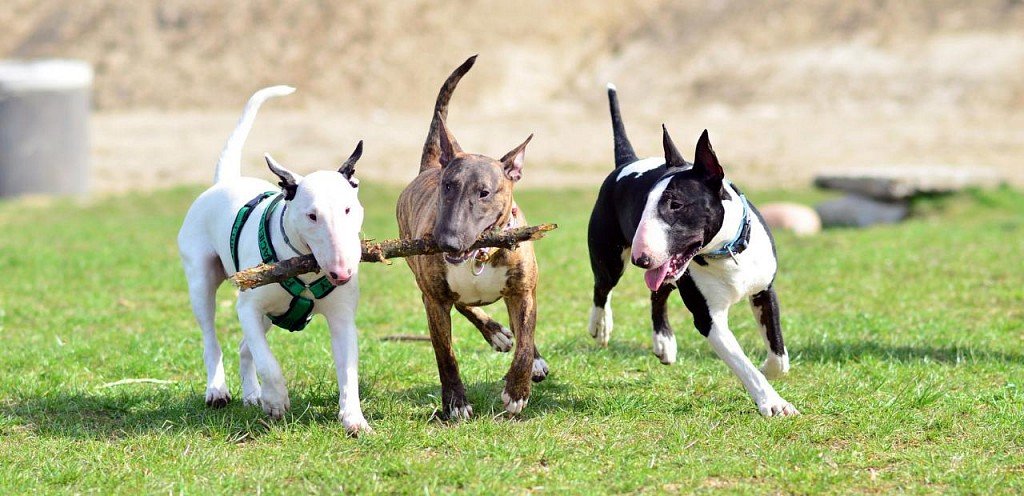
{"x": 242, "y": 221}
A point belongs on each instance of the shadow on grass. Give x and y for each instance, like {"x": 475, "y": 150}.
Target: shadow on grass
{"x": 116, "y": 415}
{"x": 138, "y": 411}
{"x": 847, "y": 351}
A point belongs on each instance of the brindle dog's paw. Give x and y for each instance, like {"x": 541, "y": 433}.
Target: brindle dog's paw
{"x": 513, "y": 406}
{"x": 456, "y": 413}
{"x": 540, "y": 369}
{"x": 501, "y": 339}
{"x": 217, "y": 397}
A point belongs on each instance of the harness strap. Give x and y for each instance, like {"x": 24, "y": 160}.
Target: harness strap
{"x": 243, "y": 215}
{"x": 738, "y": 243}
{"x": 301, "y": 308}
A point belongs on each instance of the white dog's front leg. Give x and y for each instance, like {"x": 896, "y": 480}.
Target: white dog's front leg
{"x": 274, "y": 394}
{"x": 251, "y": 390}
{"x": 769, "y": 403}
{"x": 346, "y": 362}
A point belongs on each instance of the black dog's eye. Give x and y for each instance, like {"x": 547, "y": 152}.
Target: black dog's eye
{"x": 484, "y": 193}
{"x": 312, "y": 217}
{"x": 674, "y": 205}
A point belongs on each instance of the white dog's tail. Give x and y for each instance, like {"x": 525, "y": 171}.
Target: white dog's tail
{"x": 229, "y": 165}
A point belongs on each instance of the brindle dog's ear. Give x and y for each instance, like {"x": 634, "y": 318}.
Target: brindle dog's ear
{"x": 705, "y": 162}
{"x": 672, "y": 156}
{"x": 513, "y": 161}
{"x": 348, "y": 169}
{"x": 449, "y": 146}
{"x": 289, "y": 180}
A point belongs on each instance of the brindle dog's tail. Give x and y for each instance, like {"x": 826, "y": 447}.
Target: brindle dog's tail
{"x": 624, "y": 153}
{"x": 432, "y": 147}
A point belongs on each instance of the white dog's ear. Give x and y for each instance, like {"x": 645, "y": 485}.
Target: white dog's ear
{"x": 348, "y": 169}
{"x": 289, "y": 180}
{"x": 672, "y": 156}
{"x": 513, "y": 161}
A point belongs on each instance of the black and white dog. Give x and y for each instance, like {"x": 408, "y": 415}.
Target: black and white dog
{"x": 664, "y": 214}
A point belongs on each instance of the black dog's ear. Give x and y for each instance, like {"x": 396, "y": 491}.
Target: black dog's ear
{"x": 672, "y": 156}
{"x": 449, "y": 145}
{"x": 348, "y": 169}
{"x": 513, "y": 161}
{"x": 289, "y": 181}
{"x": 705, "y": 162}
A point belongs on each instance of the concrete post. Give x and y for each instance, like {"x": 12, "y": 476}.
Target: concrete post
{"x": 44, "y": 120}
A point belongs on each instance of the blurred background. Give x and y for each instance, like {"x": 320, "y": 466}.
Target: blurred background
{"x": 786, "y": 88}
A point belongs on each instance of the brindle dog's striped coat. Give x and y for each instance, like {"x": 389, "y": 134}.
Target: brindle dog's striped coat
{"x": 456, "y": 197}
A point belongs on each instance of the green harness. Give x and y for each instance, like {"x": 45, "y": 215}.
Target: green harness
{"x": 300, "y": 311}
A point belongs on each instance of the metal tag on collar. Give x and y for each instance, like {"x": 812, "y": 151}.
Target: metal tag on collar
{"x": 481, "y": 258}
{"x": 732, "y": 255}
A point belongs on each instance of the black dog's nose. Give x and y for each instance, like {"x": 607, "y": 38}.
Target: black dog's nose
{"x": 644, "y": 261}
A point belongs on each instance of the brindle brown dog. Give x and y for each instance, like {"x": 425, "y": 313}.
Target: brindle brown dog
{"x": 456, "y": 197}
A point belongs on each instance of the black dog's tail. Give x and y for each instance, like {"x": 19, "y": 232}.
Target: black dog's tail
{"x": 624, "y": 153}
{"x": 432, "y": 148}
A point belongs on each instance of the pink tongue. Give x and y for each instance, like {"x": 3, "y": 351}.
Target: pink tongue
{"x": 655, "y": 277}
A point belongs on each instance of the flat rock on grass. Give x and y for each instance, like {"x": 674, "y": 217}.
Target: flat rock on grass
{"x": 895, "y": 183}
{"x": 858, "y": 211}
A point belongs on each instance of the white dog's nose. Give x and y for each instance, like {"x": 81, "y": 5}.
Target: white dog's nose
{"x": 339, "y": 276}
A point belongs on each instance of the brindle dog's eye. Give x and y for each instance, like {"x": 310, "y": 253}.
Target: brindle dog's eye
{"x": 484, "y": 193}
{"x": 674, "y": 205}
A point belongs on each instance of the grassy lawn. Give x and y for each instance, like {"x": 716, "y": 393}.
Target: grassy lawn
{"x": 906, "y": 344}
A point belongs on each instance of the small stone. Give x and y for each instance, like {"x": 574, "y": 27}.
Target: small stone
{"x": 800, "y": 219}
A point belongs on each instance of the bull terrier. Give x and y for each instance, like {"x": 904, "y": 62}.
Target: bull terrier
{"x": 456, "y": 197}
{"x": 663, "y": 214}
{"x": 319, "y": 214}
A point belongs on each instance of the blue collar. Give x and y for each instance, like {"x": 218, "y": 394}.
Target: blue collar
{"x": 738, "y": 243}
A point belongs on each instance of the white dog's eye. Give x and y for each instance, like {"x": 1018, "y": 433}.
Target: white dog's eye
{"x": 312, "y": 217}
{"x": 347, "y": 210}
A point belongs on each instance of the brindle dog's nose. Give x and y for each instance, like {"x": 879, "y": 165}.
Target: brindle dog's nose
{"x": 448, "y": 243}
{"x": 644, "y": 261}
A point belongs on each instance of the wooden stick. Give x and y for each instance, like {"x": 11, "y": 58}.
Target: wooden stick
{"x": 382, "y": 251}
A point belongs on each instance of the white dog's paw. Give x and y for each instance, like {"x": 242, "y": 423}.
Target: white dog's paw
{"x": 664, "y": 347}
{"x": 540, "y": 369}
{"x": 355, "y": 424}
{"x": 274, "y": 406}
{"x": 775, "y": 366}
{"x": 502, "y": 340}
{"x": 513, "y": 407}
{"x": 777, "y": 407}
{"x": 251, "y": 399}
{"x": 217, "y": 397}
{"x": 600, "y": 326}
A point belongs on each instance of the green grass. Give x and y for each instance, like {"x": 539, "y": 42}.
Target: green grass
{"x": 906, "y": 344}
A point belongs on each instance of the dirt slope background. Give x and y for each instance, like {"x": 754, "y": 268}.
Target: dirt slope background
{"x": 785, "y": 88}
